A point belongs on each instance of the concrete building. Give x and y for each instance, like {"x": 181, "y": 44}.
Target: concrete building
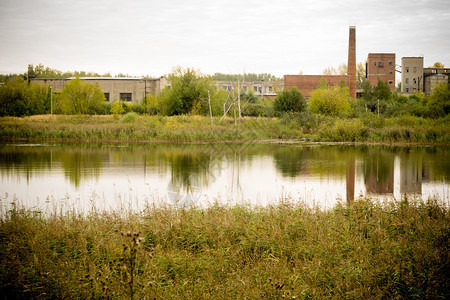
{"x": 412, "y": 75}
{"x": 265, "y": 89}
{"x": 416, "y": 78}
{"x": 115, "y": 88}
{"x": 381, "y": 66}
{"x": 433, "y": 77}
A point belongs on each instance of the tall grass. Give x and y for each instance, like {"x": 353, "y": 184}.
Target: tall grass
{"x": 363, "y": 250}
{"x": 136, "y": 128}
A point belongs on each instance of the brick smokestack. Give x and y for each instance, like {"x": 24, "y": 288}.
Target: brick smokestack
{"x": 351, "y": 65}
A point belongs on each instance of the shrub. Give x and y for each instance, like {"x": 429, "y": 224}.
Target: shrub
{"x": 345, "y": 130}
{"x": 289, "y": 100}
{"x": 117, "y": 109}
{"x": 330, "y": 101}
{"x": 130, "y": 117}
{"x": 80, "y": 97}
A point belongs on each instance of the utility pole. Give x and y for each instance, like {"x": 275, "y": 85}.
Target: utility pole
{"x": 210, "y": 110}
{"x": 239, "y": 100}
{"x": 51, "y": 100}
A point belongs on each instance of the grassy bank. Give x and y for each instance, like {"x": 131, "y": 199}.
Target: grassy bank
{"x": 197, "y": 128}
{"x": 364, "y": 250}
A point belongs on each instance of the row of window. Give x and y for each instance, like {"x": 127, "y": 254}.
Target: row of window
{"x": 380, "y": 64}
{"x": 123, "y": 96}
{"x": 414, "y": 70}
{"x": 256, "y": 88}
{"x": 407, "y": 90}
{"x": 414, "y": 81}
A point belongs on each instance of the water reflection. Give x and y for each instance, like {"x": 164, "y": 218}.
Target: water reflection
{"x": 188, "y": 172}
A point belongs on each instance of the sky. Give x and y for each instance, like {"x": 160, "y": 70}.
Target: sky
{"x": 138, "y": 37}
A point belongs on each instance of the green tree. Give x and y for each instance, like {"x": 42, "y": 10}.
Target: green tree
{"x": 331, "y": 101}
{"x": 17, "y": 98}
{"x": 289, "y": 100}
{"x": 190, "y": 92}
{"x": 376, "y": 98}
{"x": 80, "y": 97}
{"x": 438, "y": 103}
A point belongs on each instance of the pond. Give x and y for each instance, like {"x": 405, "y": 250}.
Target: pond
{"x": 56, "y": 178}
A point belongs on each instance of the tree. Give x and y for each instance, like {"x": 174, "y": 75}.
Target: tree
{"x": 439, "y": 101}
{"x": 289, "y": 100}
{"x": 331, "y": 101}
{"x": 190, "y": 92}
{"x": 17, "y": 98}
{"x": 438, "y": 65}
{"x": 342, "y": 70}
{"x": 80, "y": 97}
{"x": 375, "y": 98}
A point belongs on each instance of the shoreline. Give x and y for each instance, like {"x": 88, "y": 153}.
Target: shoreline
{"x": 199, "y": 130}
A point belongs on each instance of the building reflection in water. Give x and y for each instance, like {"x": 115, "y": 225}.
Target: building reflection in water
{"x": 350, "y": 180}
{"x": 411, "y": 174}
{"x": 379, "y": 173}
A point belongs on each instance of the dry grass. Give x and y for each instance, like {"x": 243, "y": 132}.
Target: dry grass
{"x": 364, "y": 250}
{"x": 199, "y": 129}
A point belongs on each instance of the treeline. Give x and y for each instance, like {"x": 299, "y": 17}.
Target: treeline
{"x": 246, "y": 77}
{"x": 41, "y": 71}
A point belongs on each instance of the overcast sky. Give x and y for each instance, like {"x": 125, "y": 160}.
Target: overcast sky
{"x": 277, "y": 36}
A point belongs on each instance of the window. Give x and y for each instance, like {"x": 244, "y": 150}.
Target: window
{"x": 414, "y": 90}
{"x": 407, "y": 90}
{"x": 390, "y": 72}
{"x": 255, "y": 88}
{"x": 107, "y": 96}
{"x": 407, "y": 69}
{"x": 270, "y": 88}
{"x": 390, "y": 82}
{"x": 390, "y": 62}
{"x": 414, "y": 81}
{"x": 125, "y": 96}
{"x": 406, "y": 80}
{"x": 414, "y": 69}
{"x": 245, "y": 88}
{"x": 374, "y": 63}
{"x": 380, "y": 64}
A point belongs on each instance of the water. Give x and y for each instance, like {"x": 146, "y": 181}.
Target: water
{"x": 55, "y": 178}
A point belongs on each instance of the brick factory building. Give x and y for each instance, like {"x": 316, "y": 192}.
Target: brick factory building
{"x": 381, "y": 66}
{"x": 308, "y": 83}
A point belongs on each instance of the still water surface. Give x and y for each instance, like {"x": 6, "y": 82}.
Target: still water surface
{"x": 82, "y": 178}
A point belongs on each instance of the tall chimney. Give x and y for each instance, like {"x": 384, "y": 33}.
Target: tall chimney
{"x": 351, "y": 65}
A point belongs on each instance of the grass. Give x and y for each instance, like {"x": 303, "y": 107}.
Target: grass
{"x": 365, "y": 249}
{"x": 134, "y": 128}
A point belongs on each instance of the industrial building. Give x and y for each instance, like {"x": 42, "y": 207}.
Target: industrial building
{"x": 416, "y": 78}
{"x": 115, "y": 88}
{"x": 264, "y": 89}
{"x": 381, "y": 66}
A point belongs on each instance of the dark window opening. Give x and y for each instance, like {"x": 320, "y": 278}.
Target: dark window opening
{"x": 125, "y": 96}
{"x": 106, "y": 96}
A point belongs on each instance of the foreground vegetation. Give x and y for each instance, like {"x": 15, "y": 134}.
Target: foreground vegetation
{"x": 297, "y": 126}
{"x": 362, "y": 250}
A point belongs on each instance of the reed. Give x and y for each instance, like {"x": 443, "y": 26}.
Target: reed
{"x": 366, "y": 249}
{"x": 134, "y": 128}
